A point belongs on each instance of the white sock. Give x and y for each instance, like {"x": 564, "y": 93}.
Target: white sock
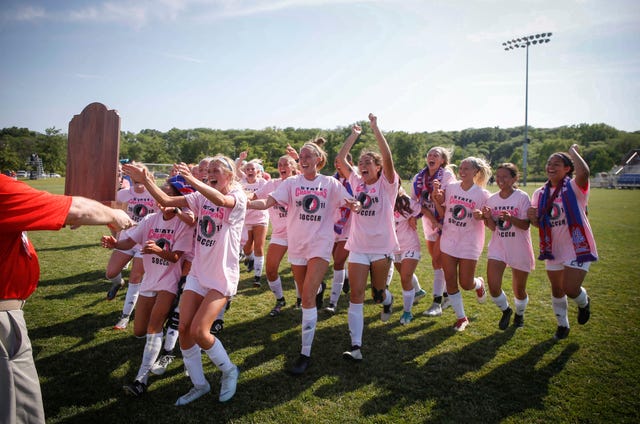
{"x": 258, "y": 262}
{"x": 521, "y": 305}
{"x": 117, "y": 279}
{"x": 407, "y": 299}
{"x": 221, "y": 314}
{"x": 250, "y": 257}
{"x": 309, "y": 320}
{"x": 560, "y": 309}
{"x": 297, "y": 290}
{"x": 219, "y": 357}
{"x": 390, "y": 275}
{"x": 336, "y": 285}
{"x": 478, "y": 283}
{"x": 456, "y": 304}
{"x": 276, "y": 288}
{"x": 170, "y": 339}
{"x": 581, "y": 299}
{"x": 192, "y": 359}
{"x": 149, "y": 356}
{"x": 438, "y": 282}
{"x": 131, "y": 298}
{"x": 387, "y": 297}
{"x": 356, "y": 322}
{"x": 501, "y": 301}
{"x": 415, "y": 283}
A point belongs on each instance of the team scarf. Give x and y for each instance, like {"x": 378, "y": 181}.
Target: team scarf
{"x": 424, "y": 182}
{"x": 345, "y": 212}
{"x": 574, "y": 221}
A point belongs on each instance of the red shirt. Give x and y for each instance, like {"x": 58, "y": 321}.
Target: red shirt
{"x": 23, "y": 208}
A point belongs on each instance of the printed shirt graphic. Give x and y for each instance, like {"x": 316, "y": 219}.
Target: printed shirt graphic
{"x": 277, "y": 213}
{"x": 216, "y": 261}
{"x": 311, "y": 208}
{"x": 425, "y": 200}
{"x": 562, "y": 245}
{"x": 462, "y": 234}
{"x": 255, "y": 216}
{"x": 373, "y": 228}
{"x": 172, "y": 234}
{"x": 407, "y": 237}
{"x": 139, "y": 205}
{"x": 509, "y": 243}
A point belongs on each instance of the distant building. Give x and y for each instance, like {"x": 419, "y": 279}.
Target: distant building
{"x": 627, "y": 175}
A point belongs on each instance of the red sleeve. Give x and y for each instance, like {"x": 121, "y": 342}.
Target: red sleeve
{"x": 27, "y": 209}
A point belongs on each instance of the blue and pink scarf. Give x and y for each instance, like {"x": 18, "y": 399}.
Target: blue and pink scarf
{"x": 345, "y": 212}
{"x": 424, "y": 182}
{"x": 574, "y": 221}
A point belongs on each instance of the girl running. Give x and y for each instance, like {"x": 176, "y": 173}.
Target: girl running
{"x": 462, "y": 238}
{"x": 506, "y": 216}
{"x": 559, "y": 210}
{"x": 220, "y": 207}
{"x": 256, "y": 222}
{"x": 372, "y": 239}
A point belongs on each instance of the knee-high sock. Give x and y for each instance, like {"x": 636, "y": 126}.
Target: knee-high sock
{"x": 192, "y": 359}
{"x": 170, "y": 339}
{"x": 390, "y": 274}
{"x": 355, "y": 319}
{"x": 521, "y": 305}
{"x": 415, "y": 283}
{"x": 149, "y": 356}
{"x": 336, "y": 286}
{"x": 388, "y": 298}
{"x": 456, "y": 304}
{"x": 258, "y": 263}
{"x": 309, "y": 321}
{"x": 560, "y": 309}
{"x": 581, "y": 299}
{"x": 438, "y": 282}
{"x": 131, "y": 298}
{"x": 276, "y": 288}
{"x": 501, "y": 301}
{"x": 219, "y": 357}
{"x": 407, "y": 299}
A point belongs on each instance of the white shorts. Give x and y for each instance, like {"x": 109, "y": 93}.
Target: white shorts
{"x": 409, "y": 254}
{"x": 149, "y": 293}
{"x": 432, "y": 237}
{"x": 304, "y": 261}
{"x": 279, "y": 241}
{"x": 569, "y": 264}
{"x": 367, "y": 258}
{"x": 134, "y": 252}
{"x": 250, "y": 227}
{"x": 194, "y": 285}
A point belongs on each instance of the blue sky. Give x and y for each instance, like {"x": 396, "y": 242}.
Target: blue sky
{"x": 419, "y": 65}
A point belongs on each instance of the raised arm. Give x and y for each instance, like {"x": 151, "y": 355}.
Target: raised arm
{"x": 346, "y": 147}
{"x": 388, "y": 169}
{"x": 216, "y": 197}
{"x": 141, "y": 174}
{"x": 581, "y": 168}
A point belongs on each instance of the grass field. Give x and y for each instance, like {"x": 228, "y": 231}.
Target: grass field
{"x": 421, "y": 372}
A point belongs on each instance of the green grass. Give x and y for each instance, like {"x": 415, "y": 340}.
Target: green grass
{"x": 422, "y": 372}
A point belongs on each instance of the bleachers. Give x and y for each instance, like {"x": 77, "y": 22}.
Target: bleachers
{"x": 628, "y": 181}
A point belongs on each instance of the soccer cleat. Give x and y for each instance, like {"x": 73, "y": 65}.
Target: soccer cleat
{"x": 160, "y": 366}
{"x": 353, "y": 355}
{"x": 113, "y": 291}
{"x": 122, "y": 323}
{"x": 320, "y": 295}
{"x": 280, "y": 303}
{"x": 435, "y": 310}
{"x": 461, "y": 324}
{"x": 386, "y": 311}
{"x": 561, "y": 333}
{"x": 419, "y": 295}
{"x": 506, "y": 317}
{"x": 228, "y": 384}
{"x": 446, "y": 303}
{"x": 216, "y": 327}
{"x": 300, "y": 365}
{"x": 345, "y": 286}
{"x": 481, "y": 293}
{"x": 331, "y": 308}
{"x": 584, "y": 313}
{"x": 256, "y": 281}
{"x": 193, "y": 394}
{"x": 137, "y": 388}
{"x": 406, "y": 318}
{"x": 518, "y": 320}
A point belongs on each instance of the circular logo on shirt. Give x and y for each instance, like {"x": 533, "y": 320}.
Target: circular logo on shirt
{"x": 311, "y": 203}
{"x": 459, "y": 212}
{"x": 554, "y": 213}
{"x": 140, "y": 211}
{"x": 163, "y": 243}
{"x": 364, "y": 200}
{"x": 207, "y": 226}
{"x": 503, "y": 225}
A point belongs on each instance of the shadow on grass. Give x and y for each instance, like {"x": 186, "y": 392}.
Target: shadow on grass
{"x": 67, "y": 248}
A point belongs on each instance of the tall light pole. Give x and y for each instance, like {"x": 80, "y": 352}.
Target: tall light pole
{"x": 524, "y": 43}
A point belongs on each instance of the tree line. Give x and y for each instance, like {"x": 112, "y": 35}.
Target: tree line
{"x": 602, "y": 145}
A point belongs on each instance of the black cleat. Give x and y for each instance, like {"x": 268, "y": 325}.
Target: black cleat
{"x": 506, "y": 318}
{"x": 320, "y": 295}
{"x": 217, "y": 326}
{"x": 300, "y": 365}
{"x": 561, "y": 333}
{"x": 518, "y": 320}
{"x": 584, "y": 313}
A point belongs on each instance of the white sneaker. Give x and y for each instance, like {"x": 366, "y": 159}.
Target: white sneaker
{"x": 193, "y": 394}
{"x": 122, "y": 323}
{"x": 461, "y": 324}
{"x": 435, "y": 310}
{"x": 160, "y": 366}
{"x": 353, "y": 355}
{"x": 228, "y": 384}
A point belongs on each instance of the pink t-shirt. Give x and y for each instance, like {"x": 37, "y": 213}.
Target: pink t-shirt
{"x": 462, "y": 234}
{"x": 216, "y": 261}
{"x": 139, "y": 205}
{"x": 425, "y": 200}
{"x": 277, "y": 213}
{"x": 173, "y": 235}
{"x": 311, "y": 207}
{"x": 255, "y": 216}
{"x": 373, "y": 227}
{"x": 510, "y": 244}
{"x": 407, "y": 237}
{"x": 562, "y": 245}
